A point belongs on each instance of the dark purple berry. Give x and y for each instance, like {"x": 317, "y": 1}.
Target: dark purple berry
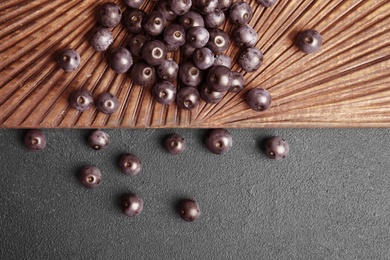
{"x": 238, "y": 82}
{"x": 164, "y": 7}
{"x": 134, "y": 3}
{"x": 107, "y": 103}
{"x": 81, "y": 99}
{"x": 189, "y": 74}
{"x": 250, "y": 59}
{"x": 223, "y": 60}
{"x": 164, "y": 92}
{"x": 68, "y": 60}
{"x": 102, "y": 39}
{"x": 136, "y": 43}
{"x": 90, "y": 176}
{"x": 191, "y": 19}
{"x": 309, "y": 41}
{"x": 219, "y": 41}
{"x": 219, "y": 141}
{"x": 258, "y": 99}
{"x": 219, "y": 78}
{"x": 175, "y": 144}
{"x": 142, "y": 74}
{"x": 132, "y": 204}
{"x": 224, "y": 5}
{"x": 197, "y": 37}
{"x": 180, "y": 7}
{"x": 175, "y": 35}
{"x": 276, "y": 148}
{"x": 208, "y": 95}
{"x": 120, "y": 60}
{"x": 245, "y": 36}
{"x": 214, "y": 19}
{"x": 109, "y": 15}
{"x": 240, "y": 13}
{"x": 168, "y": 70}
{"x": 206, "y": 6}
{"x": 130, "y": 164}
{"x": 187, "y": 98}
{"x": 132, "y": 20}
{"x": 187, "y": 50}
{"x": 203, "y": 58}
{"x": 35, "y": 140}
{"x": 98, "y": 140}
{"x": 266, "y": 3}
{"x": 154, "y": 23}
{"x": 154, "y": 52}
{"x": 189, "y": 210}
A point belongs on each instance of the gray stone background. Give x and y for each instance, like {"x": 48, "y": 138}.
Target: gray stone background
{"x": 328, "y": 200}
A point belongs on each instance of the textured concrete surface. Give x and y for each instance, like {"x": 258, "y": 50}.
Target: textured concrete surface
{"x": 328, "y": 200}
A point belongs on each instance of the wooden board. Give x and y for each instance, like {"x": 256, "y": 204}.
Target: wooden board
{"x": 346, "y": 84}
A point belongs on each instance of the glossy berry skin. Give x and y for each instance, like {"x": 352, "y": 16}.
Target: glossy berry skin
{"x": 132, "y": 20}
{"x": 168, "y": 70}
{"x": 240, "y": 13}
{"x": 164, "y": 92}
{"x": 309, "y": 41}
{"x": 98, "y": 140}
{"x": 101, "y": 39}
{"x": 258, "y": 99}
{"x": 107, "y": 103}
{"x": 203, "y": 58}
{"x": 214, "y": 19}
{"x": 224, "y": 5}
{"x": 276, "y": 148}
{"x": 219, "y": 141}
{"x": 223, "y": 60}
{"x": 266, "y": 3}
{"x": 206, "y": 6}
{"x": 143, "y": 74}
{"x": 175, "y": 35}
{"x": 180, "y": 7}
{"x": 120, "y": 60}
{"x": 109, "y": 15}
{"x": 189, "y": 210}
{"x": 191, "y": 19}
{"x": 250, "y": 59}
{"x": 68, "y": 60}
{"x": 245, "y": 36}
{"x": 35, "y": 140}
{"x": 219, "y": 41}
{"x": 219, "y": 78}
{"x": 136, "y": 43}
{"x": 129, "y": 164}
{"x": 132, "y": 204}
{"x": 164, "y": 7}
{"x": 154, "y": 23}
{"x": 208, "y": 95}
{"x": 175, "y": 144}
{"x": 134, "y": 3}
{"x": 189, "y": 74}
{"x": 238, "y": 82}
{"x": 187, "y": 98}
{"x": 197, "y": 37}
{"x": 81, "y": 99}
{"x": 154, "y": 52}
{"x": 90, "y": 176}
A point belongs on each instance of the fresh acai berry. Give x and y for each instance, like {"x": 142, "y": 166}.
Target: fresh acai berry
{"x": 81, "y": 99}
{"x": 90, "y": 176}
{"x": 120, "y": 60}
{"x": 168, "y": 70}
{"x": 154, "y": 52}
{"x": 164, "y": 7}
{"x": 309, "y": 41}
{"x": 219, "y": 78}
{"x": 208, "y": 95}
{"x": 175, "y": 144}
{"x": 35, "y": 140}
{"x": 187, "y": 50}
{"x": 143, "y": 74}
{"x": 258, "y": 99}
{"x": 224, "y": 5}
{"x": 180, "y": 7}
{"x": 197, "y": 37}
{"x": 240, "y": 13}
{"x": 129, "y": 164}
{"x": 203, "y": 58}
{"x": 68, "y": 60}
{"x": 238, "y": 82}
{"x": 245, "y": 36}
{"x": 154, "y": 23}
{"x": 174, "y": 35}
{"x": 214, "y": 19}
{"x": 250, "y": 59}
{"x": 134, "y": 3}
{"x": 189, "y": 74}
{"x": 266, "y": 3}
{"x": 164, "y": 92}
{"x": 132, "y": 20}
{"x": 132, "y": 204}
{"x": 109, "y": 15}
{"x": 223, "y": 60}
{"x": 205, "y": 6}
{"x": 191, "y": 19}
{"x": 107, "y": 103}
{"x": 219, "y": 41}
{"x": 187, "y": 98}
{"x": 219, "y": 141}
{"x": 102, "y": 39}
{"x": 136, "y": 43}
{"x": 276, "y": 148}
{"x": 189, "y": 210}
{"x": 98, "y": 139}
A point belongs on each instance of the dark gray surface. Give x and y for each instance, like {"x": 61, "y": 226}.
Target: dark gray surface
{"x": 328, "y": 200}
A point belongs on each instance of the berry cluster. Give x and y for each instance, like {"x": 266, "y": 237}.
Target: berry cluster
{"x": 193, "y": 28}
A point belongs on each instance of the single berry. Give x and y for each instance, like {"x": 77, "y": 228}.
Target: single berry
{"x": 130, "y": 164}
{"x": 107, "y": 103}
{"x": 214, "y": 19}
{"x": 250, "y": 59}
{"x": 98, "y": 140}
{"x": 154, "y": 23}
{"x": 132, "y": 204}
{"x": 174, "y": 35}
{"x": 266, "y": 3}
{"x": 168, "y": 70}
{"x": 208, "y": 95}
{"x": 187, "y": 98}
{"x": 136, "y": 43}
{"x": 219, "y": 78}
{"x": 189, "y": 210}
{"x": 101, "y": 39}
{"x": 134, "y": 3}
{"x": 245, "y": 36}
{"x": 219, "y": 40}
{"x": 191, "y": 19}
{"x": 90, "y": 176}
{"x": 197, "y": 37}
{"x": 258, "y": 99}
{"x": 143, "y": 74}
{"x": 175, "y": 144}
{"x": 35, "y": 140}
{"x": 120, "y": 60}
{"x": 81, "y": 99}
{"x": 206, "y": 6}
{"x": 132, "y": 20}
{"x": 154, "y": 52}
{"x": 164, "y": 92}
{"x": 164, "y": 7}
{"x": 276, "y": 148}
{"x": 238, "y": 82}
{"x": 68, "y": 60}
{"x": 189, "y": 74}
{"x": 109, "y": 15}
{"x": 240, "y": 13}
{"x": 219, "y": 141}
{"x": 309, "y": 41}
{"x": 180, "y": 7}
{"x": 203, "y": 58}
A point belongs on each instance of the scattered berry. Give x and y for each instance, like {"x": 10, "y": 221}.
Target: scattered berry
{"x": 132, "y": 204}
{"x": 276, "y": 148}
{"x": 98, "y": 140}
{"x": 219, "y": 141}
{"x": 130, "y": 164}
{"x": 90, "y": 176}
{"x": 189, "y": 210}
{"x": 35, "y": 140}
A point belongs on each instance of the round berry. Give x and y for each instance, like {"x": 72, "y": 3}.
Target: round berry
{"x": 110, "y": 15}
{"x": 240, "y": 13}
{"x": 206, "y": 6}
{"x": 107, "y": 103}
{"x": 68, "y": 60}
{"x": 245, "y": 36}
{"x": 132, "y": 20}
{"x": 102, "y": 39}
{"x": 187, "y": 98}
{"x": 214, "y": 19}
{"x": 189, "y": 74}
{"x": 130, "y": 164}
{"x": 175, "y": 144}
{"x": 250, "y": 59}
{"x": 168, "y": 70}
{"x": 276, "y": 148}
{"x": 164, "y": 7}
{"x": 35, "y": 140}
{"x": 81, "y": 99}
{"x": 309, "y": 41}
{"x": 197, "y": 37}
{"x": 98, "y": 140}
{"x": 90, "y": 176}
{"x": 219, "y": 41}
{"x": 189, "y": 210}
{"x": 132, "y": 204}
{"x": 154, "y": 23}
{"x": 203, "y": 58}
{"x": 266, "y": 3}
{"x": 208, "y": 95}
{"x": 164, "y": 92}
{"x": 238, "y": 82}
{"x": 219, "y": 141}
{"x": 219, "y": 78}
{"x": 258, "y": 99}
{"x": 154, "y": 52}
{"x": 120, "y": 60}
{"x": 174, "y": 35}
{"x": 134, "y": 3}
{"x": 136, "y": 43}
{"x": 143, "y": 74}
{"x": 180, "y": 7}
{"x": 191, "y": 19}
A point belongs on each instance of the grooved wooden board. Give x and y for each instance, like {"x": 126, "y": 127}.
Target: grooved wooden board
{"x": 346, "y": 84}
